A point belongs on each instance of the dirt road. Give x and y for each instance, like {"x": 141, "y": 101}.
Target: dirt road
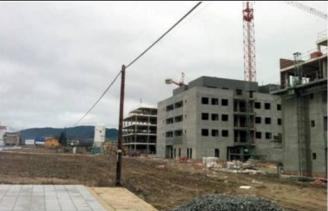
{"x": 163, "y": 184}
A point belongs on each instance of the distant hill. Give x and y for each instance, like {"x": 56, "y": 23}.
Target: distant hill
{"x": 80, "y": 132}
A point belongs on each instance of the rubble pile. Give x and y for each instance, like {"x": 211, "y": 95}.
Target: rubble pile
{"x": 235, "y": 166}
{"x": 219, "y": 202}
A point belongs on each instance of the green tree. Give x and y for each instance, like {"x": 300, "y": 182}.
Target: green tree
{"x": 63, "y": 138}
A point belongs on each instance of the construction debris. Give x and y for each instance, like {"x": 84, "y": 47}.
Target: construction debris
{"x": 160, "y": 166}
{"x": 246, "y": 187}
{"x": 235, "y": 166}
{"x": 220, "y": 202}
{"x": 322, "y": 182}
{"x": 210, "y": 162}
{"x": 257, "y": 182}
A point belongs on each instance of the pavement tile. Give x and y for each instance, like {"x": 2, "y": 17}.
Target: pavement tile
{"x": 47, "y": 198}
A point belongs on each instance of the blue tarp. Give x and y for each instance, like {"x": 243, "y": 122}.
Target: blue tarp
{"x": 39, "y": 139}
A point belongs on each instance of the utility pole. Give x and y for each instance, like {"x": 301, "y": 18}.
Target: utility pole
{"x": 120, "y": 131}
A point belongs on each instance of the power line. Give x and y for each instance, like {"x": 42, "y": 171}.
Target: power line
{"x": 136, "y": 59}
{"x": 101, "y": 96}
{"x": 163, "y": 35}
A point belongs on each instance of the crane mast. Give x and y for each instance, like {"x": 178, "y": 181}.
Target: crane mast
{"x": 249, "y": 42}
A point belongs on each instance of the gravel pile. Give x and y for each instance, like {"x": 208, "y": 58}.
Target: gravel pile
{"x": 218, "y": 202}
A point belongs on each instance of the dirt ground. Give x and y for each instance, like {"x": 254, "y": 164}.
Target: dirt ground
{"x": 164, "y": 184}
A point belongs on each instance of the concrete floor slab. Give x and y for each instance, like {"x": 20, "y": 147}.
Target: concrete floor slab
{"x": 47, "y": 198}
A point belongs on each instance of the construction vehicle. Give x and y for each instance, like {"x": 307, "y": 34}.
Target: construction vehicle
{"x": 51, "y": 143}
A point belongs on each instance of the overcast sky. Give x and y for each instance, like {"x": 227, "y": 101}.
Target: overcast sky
{"x": 57, "y": 57}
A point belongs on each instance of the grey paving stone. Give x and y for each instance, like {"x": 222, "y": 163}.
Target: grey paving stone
{"x": 47, "y": 198}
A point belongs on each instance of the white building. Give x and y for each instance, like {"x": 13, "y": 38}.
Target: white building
{"x": 29, "y": 142}
{"x": 3, "y": 130}
{"x": 100, "y": 135}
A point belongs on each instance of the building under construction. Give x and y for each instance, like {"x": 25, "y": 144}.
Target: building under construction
{"x": 304, "y": 99}
{"x": 12, "y": 139}
{"x": 218, "y": 117}
{"x": 140, "y": 131}
{"x": 3, "y": 130}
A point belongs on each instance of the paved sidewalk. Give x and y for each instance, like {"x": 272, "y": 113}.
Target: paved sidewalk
{"x": 120, "y": 199}
{"x": 47, "y": 198}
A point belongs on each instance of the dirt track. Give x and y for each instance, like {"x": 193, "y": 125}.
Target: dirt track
{"x": 163, "y": 184}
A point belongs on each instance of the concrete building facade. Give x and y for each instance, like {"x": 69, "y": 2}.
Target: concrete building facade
{"x": 304, "y": 99}
{"x": 12, "y": 138}
{"x": 228, "y": 119}
{"x": 139, "y": 130}
{"x": 3, "y": 130}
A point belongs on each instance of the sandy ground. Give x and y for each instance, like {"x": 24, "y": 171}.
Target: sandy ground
{"x": 118, "y": 198}
{"x": 164, "y": 184}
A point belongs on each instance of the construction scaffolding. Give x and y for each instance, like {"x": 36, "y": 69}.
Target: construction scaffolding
{"x": 140, "y": 128}
{"x": 244, "y": 129}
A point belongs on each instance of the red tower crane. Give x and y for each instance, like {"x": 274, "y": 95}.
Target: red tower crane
{"x": 249, "y": 35}
{"x": 308, "y": 9}
{"x": 249, "y": 42}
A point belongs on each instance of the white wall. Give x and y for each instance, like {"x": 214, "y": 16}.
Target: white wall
{"x": 2, "y": 132}
{"x": 100, "y": 134}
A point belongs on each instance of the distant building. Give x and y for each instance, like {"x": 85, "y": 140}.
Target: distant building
{"x": 3, "y": 130}
{"x": 12, "y": 139}
{"x": 29, "y": 142}
{"x": 99, "y": 135}
{"x": 218, "y": 117}
{"x": 140, "y": 130}
{"x": 39, "y": 140}
{"x": 304, "y": 99}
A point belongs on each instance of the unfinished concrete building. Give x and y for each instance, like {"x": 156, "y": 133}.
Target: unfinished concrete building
{"x": 12, "y": 138}
{"x": 139, "y": 130}
{"x": 304, "y": 99}
{"x": 225, "y": 118}
{"x": 3, "y": 130}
